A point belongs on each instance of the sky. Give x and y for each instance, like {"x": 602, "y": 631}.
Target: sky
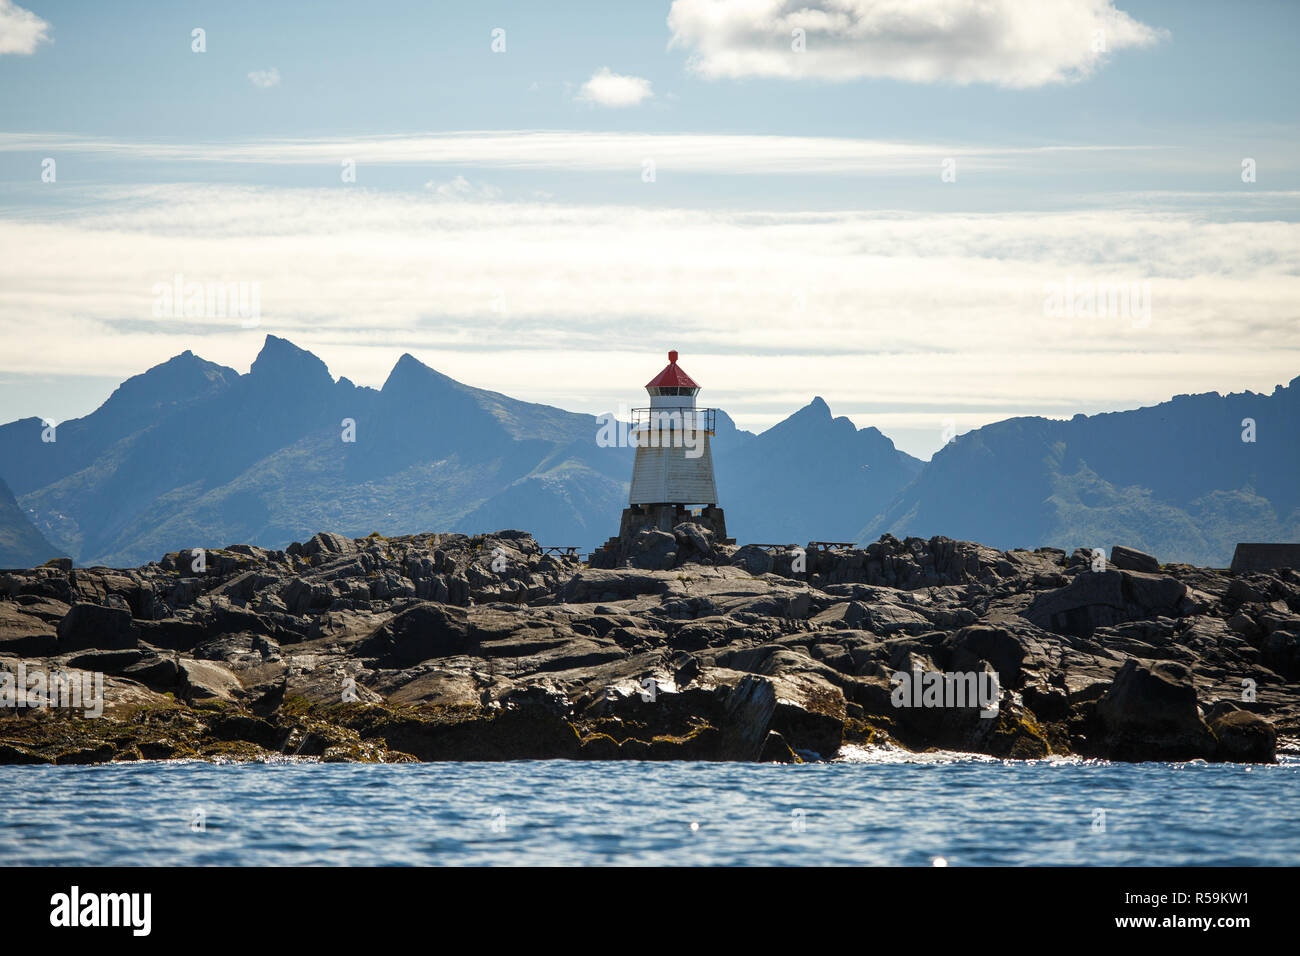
{"x": 934, "y": 214}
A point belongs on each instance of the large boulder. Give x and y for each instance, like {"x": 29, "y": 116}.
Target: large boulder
{"x": 810, "y": 706}
{"x": 1281, "y": 653}
{"x": 1131, "y": 559}
{"x": 694, "y": 541}
{"x": 328, "y": 543}
{"x": 156, "y": 672}
{"x": 88, "y": 626}
{"x": 301, "y": 595}
{"x": 1244, "y": 737}
{"x": 1105, "y": 598}
{"x": 652, "y": 550}
{"x": 753, "y": 559}
{"x": 971, "y": 646}
{"x": 171, "y": 633}
{"x": 1150, "y": 712}
{"x": 25, "y": 635}
{"x": 417, "y": 634}
{"x": 748, "y": 706}
{"x": 208, "y": 680}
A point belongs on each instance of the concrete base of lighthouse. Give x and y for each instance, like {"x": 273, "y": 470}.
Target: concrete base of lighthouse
{"x": 667, "y": 517}
{"x": 637, "y": 518}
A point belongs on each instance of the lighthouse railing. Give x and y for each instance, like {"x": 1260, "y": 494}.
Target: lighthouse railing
{"x": 679, "y": 418}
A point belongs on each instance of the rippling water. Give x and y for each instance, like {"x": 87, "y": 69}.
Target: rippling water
{"x": 876, "y": 810}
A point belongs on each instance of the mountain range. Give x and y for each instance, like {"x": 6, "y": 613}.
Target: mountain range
{"x": 193, "y": 454}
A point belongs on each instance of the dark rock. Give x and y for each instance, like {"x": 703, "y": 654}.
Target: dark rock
{"x": 777, "y": 750}
{"x": 599, "y": 747}
{"x": 1097, "y": 599}
{"x": 592, "y": 585}
{"x": 1244, "y": 737}
{"x": 21, "y": 755}
{"x": 269, "y": 699}
{"x": 694, "y": 541}
{"x": 207, "y": 680}
{"x": 418, "y": 634}
{"x": 1150, "y": 713}
{"x": 252, "y": 729}
{"x": 100, "y": 753}
{"x": 485, "y": 735}
{"x": 25, "y": 635}
{"x": 753, "y": 559}
{"x": 652, "y": 550}
{"x": 748, "y": 706}
{"x": 1280, "y": 652}
{"x": 327, "y": 543}
{"x": 843, "y": 614}
{"x": 88, "y": 626}
{"x": 106, "y": 662}
{"x": 686, "y": 667}
{"x": 171, "y": 633}
{"x": 997, "y": 645}
{"x": 156, "y": 672}
{"x": 1130, "y": 559}
{"x": 754, "y": 656}
{"x": 538, "y": 698}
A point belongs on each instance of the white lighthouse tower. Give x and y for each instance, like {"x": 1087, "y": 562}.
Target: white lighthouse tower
{"x": 673, "y": 472}
{"x": 674, "y": 464}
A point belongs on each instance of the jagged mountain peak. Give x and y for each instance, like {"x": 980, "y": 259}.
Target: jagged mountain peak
{"x": 180, "y": 377}
{"x": 283, "y": 362}
{"x": 410, "y": 372}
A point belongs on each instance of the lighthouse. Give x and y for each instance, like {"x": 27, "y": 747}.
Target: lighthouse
{"x": 674, "y": 464}
{"x": 673, "y": 472}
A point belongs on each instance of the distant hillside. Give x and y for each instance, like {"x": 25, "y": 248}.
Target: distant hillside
{"x": 21, "y": 545}
{"x": 812, "y": 477}
{"x": 191, "y": 453}
{"x": 1174, "y": 479}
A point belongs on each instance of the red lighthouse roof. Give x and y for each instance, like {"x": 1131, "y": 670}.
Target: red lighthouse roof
{"x": 672, "y": 376}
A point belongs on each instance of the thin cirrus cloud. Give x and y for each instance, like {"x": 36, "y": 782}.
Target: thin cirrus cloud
{"x": 1009, "y": 43}
{"x": 265, "y": 78}
{"x": 739, "y": 154}
{"x": 21, "y": 31}
{"x": 923, "y": 308}
{"x": 606, "y": 88}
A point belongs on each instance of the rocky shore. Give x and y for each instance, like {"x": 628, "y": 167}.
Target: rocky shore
{"x": 449, "y": 647}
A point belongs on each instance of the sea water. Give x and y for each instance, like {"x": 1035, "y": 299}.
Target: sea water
{"x": 874, "y": 807}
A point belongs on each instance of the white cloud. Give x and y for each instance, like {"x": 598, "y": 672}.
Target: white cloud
{"x": 606, "y": 88}
{"x": 462, "y": 188}
{"x": 893, "y": 317}
{"x": 21, "y": 31}
{"x": 1012, "y": 43}
{"x": 265, "y": 78}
